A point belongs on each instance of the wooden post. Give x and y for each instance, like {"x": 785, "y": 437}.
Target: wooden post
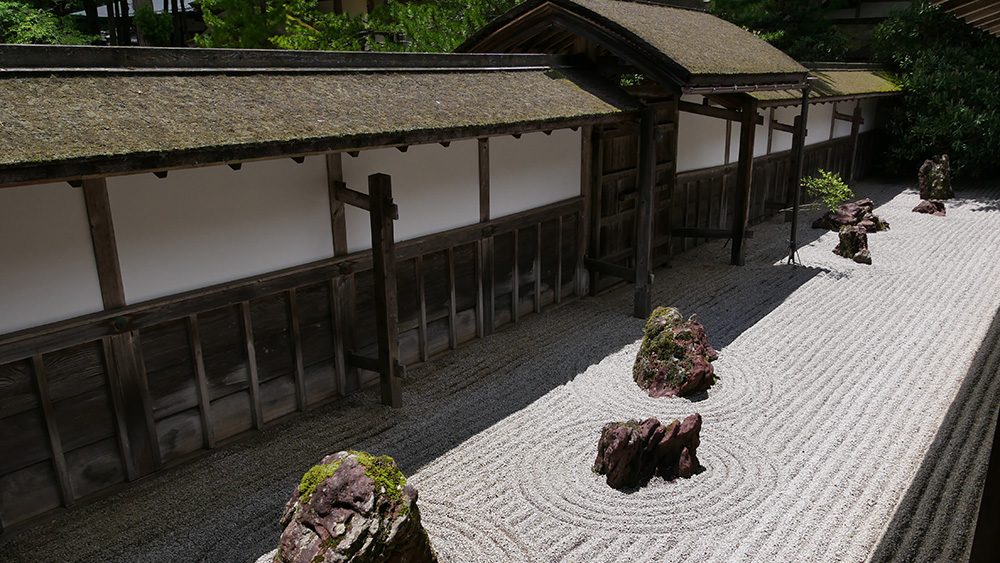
{"x": 204, "y": 403}
{"x": 102, "y": 235}
{"x": 342, "y": 287}
{"x": 55, "y": 443}
{"x": 855, "y": 133}
{"x": 256, "y": 408}
{"x": 127, "y": 381}
{"x": 644, "y": 212}
{"x": 123, "y": 358}
{"x": 596, "y": 208}
{"x": 589, "y": 158}
{"x": 798, "y": 162}
{"x": 485, "y": 271}
{"x": 386, "y": 307}
{"x": 744, "y": 181}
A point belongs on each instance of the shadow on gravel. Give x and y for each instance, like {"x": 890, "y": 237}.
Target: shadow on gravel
{"x": 225, "y": 506}
{"x": 913, "y": 534}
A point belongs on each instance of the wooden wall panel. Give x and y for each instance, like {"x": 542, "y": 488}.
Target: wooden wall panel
{"x": 180, "y": 434}
{"x": 28, "y": 492}
{"x": 317, "y": 337}
{"x": 17, "y": 388}
{"x": 95, "y": 467}
{"x": 167, "y": 355}
{"x": 232, "y": 414}
{"x": 223, "y": 355}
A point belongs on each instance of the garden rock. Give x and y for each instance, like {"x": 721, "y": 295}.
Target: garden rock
{"x": 854, "y": 245}
{"x": 859, "y": 213}
{"x": 353, "y": 506}
{"x": 675, "y": 357}
{"x": 935, "y": 178}
{"x": 630, "y": 453}
{"x": 932, "y": 207}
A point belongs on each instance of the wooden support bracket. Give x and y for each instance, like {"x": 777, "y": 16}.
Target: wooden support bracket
{"x": 358, "y": 199}
{"x": 712, "y": 111}
{"x": 848, "y": 117}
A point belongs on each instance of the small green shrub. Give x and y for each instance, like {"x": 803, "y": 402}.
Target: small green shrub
{"x": 829, "y": 188}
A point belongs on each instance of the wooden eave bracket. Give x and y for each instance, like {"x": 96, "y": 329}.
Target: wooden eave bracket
{"x": 358, "y": 199}
{"x": 785, "y": 128}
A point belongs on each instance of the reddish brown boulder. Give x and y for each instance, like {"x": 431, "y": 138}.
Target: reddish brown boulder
{"x": 854, "y": 245}
{"x": 353, "y": 506}
{"x": 859, "y": 213}
{"x": 931, "y": 207}
{"x": 631, "y": 453}
{"x": 675, "y": 357}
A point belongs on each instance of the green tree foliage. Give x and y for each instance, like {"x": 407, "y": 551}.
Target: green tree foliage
{"x": 951, "y": 103}
{"x": 21, "y": 22}
{"x": 299, "y": 24}
{"x": 829, "y": 188}
{"x": 797, "y": 27}
{"x": 155, "y": 29}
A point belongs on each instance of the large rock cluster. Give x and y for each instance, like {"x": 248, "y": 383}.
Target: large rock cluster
{"x": 353, "y": 506}
{"x": 631, "y": 453}
{"x": 854, "y": 245}
{"x": 675, "y": 357}
{"x": 935, "y": 178}
{"x": 859, "y": 213}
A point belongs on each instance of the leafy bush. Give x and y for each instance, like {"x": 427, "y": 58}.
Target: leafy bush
{"x": 951, "y": 103}
{"x": 797, "y": 27}
{"x": 829, "y": 188}
{"x": 23, "y": 23}
{"x": 155, "y": 29}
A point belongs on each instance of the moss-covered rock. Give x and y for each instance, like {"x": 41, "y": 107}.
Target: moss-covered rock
{"x": 935, "y": 178}
{"x": 353, "y": 506}
{"x": 675, "y": 357}
{"x": 860, "y": 213}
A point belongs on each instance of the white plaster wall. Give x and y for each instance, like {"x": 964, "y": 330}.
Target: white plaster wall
{"x": 435, "y": 188}
{"x": 533, "y": 171}
{"x": 820, "y": 116}
{"x": 843, "y": 128}
{"x": 205, "y": 226}
{"x": 734, "y": 142}
{"x": 869, "y": 112}
{"x": 48, "y": 272}
{"x": 701, "y": 141}
{"x": 760, "y": 134}
{"x": 781, "y": 141}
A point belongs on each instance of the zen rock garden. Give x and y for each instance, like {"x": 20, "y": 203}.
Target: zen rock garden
{"x": 352, "y": 506}
{"x": 631, "y": 453}
{"x": 675, "y": 359}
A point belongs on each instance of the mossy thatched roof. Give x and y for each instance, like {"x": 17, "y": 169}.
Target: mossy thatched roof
{"x": 836, "y": 84}
{"x": 92, "y": 117}
{"x": 698, "y": 41}
{"x": 695, "y": 47}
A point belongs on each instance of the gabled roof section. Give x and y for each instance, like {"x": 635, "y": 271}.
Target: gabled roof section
{"x": 836, "y": 83}
{"x": 214, "y": 106}
{"x": 688, "y": 47}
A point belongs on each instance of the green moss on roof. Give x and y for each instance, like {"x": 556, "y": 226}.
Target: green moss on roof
{"x": 838, "y": 84}
{"x": 698, "y": 41}
{"x": 55, "y": 118}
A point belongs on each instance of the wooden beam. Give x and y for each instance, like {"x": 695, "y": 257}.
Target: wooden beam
{"x": 357, "y": 199}
{"x": 341, "y": 286}
{"x": 452, "y": 302}
{"x": 644, "y": 214}
{"x": 418, "y": 267}
{"x": 538, "y": 269}
{"x": 55, "y": 442}
{"x": 557, "y": 292}
{"x": 784, "y": 128}
{"x": 386, "y": 303}
{"x": 127, "y": 379}
{"x": 204, "y": 404}
{"x": 102, "y": 235}
{"x": 607, "y": 268}
{"x": 849, "y": 117}
{"x": 744, "y": 182}
{"x": 798, "y": 162}
{"x": 856, "y": 123}
{"x": 119, "y": 411}
{"x": 712, "y": 111}
{"x": 486, "y": 270}
{"x": 249, "y": 348}
{"x": 295, "y": 331}
{"x": 515, "y": 278}
{"x": 595, "y": 209}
